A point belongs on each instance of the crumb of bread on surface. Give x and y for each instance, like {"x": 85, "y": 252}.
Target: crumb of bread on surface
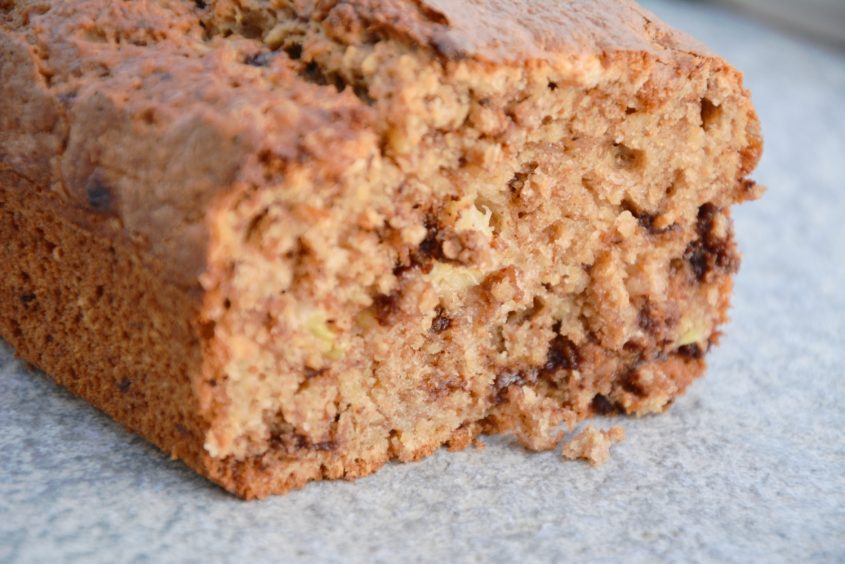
{"x": 593, "y": 445}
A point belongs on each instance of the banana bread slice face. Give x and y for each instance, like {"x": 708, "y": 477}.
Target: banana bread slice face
{"x": 362, "y": 230}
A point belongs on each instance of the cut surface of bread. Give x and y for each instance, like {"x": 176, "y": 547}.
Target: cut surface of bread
{"x": 288, "y": 241}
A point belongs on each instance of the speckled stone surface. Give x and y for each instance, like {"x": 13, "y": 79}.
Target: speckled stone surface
{"x": 748, "y": 466}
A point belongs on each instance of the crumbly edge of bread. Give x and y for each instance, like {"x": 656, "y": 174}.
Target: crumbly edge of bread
{"x": 447, "y": 123}
{"x": 592, "y": 445}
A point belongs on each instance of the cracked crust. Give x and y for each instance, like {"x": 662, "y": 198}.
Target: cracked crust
{"x": 497, "y": 31}
{"x": 290, "y": 241}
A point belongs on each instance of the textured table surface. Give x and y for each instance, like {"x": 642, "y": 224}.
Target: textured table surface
{"x": 748, "y": 466}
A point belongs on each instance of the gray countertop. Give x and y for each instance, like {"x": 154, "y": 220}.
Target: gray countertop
{"x": 748, "y": 466}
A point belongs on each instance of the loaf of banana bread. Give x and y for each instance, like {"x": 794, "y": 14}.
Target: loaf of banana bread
{"x": 288, "y": 240}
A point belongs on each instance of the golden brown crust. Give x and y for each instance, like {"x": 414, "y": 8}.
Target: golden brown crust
{"x": 547, "y": 30}
{"x": 139, "y": 128}
{"x": 500, "y": 31}
{"x": 99, "y": 316}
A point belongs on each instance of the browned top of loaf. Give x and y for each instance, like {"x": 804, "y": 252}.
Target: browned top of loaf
{"x": 521, "y": 30}
{"x": 137, "y": 122}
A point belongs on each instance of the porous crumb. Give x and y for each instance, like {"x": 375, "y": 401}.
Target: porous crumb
{"x": 593, "y": 445}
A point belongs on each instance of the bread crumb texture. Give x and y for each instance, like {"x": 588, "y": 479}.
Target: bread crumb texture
{"x": 288, "y": 241}
{"x": 593, "y": 445}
